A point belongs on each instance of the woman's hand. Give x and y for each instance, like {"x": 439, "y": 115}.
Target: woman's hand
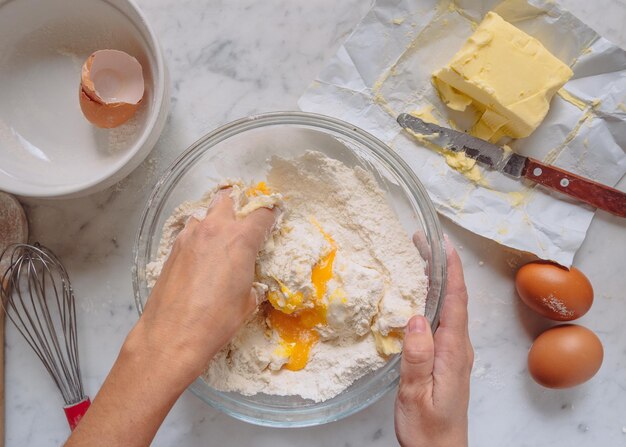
{"x": 433, "y": 397}
{"x": 203, "y": 296}
{"x": 204, "y": 293}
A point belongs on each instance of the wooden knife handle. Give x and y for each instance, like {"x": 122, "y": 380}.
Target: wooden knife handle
{"x": 595, "y": 194}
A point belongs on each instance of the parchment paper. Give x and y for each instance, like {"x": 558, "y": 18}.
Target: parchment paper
{"x": 385, "y": 67}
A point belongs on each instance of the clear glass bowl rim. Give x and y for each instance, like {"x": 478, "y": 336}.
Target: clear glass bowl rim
{"x": 392, "y": 161}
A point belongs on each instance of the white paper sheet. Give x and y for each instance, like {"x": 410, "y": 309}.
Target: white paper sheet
{"x": 385, "y": 67}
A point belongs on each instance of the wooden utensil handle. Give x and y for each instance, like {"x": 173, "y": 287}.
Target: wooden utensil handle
{"x": 595, "y": 194}
{"x": 2, "y": 320}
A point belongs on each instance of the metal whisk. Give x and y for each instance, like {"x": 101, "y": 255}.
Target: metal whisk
{"x": 37, "y": 297}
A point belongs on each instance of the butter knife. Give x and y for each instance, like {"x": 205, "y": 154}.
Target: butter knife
{"x": 518, "y": 166}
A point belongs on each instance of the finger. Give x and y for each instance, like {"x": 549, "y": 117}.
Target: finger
{"x": 423, "y": 246}
{"x": 416, "y": 366}
{"x": 256, "y": 297}
{"x": 222, "y": 205}
{"x": 182, "y": 239}
{"x": 453, "y": 350}
{"x": 184, "y": 234}
{"x": 421, "y": 242}
{"x": 454, "y": 312}
{"x": 258, "y": 224}
{"x": 252, "y": 301}
{"x": 456, "y": 279}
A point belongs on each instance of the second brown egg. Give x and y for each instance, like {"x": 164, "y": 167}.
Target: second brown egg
{"x": 565, "y": 356}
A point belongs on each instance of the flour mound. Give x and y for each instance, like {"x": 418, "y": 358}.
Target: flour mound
{"x": 377, "y": 283}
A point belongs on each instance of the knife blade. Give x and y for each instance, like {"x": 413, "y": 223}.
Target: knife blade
{"x": 518, "y": 166}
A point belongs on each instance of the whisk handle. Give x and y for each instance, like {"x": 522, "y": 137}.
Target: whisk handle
{"x": 75, "y": 412}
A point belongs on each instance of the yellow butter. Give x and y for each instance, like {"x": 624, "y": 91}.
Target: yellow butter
{"x": 507, "y": 75}
{"x": 387, "y": 344}
{"x": 516, "y": 198}
{"x": 456, "y": 160}
{"x": 567, "y": 96}
{"x": 425, "y": 114}
{"x": 464, "y": 164}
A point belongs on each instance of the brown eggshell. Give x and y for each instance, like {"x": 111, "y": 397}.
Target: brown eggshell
{"x": 554, "y": 291}
{"x": 111, "y": 88}
{"x": 105, "y": 115}
{"x": 86, "y": 83}
{"x": 565, "y": 356}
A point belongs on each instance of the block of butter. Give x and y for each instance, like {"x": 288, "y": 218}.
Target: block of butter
{"x": 507, "y": 75}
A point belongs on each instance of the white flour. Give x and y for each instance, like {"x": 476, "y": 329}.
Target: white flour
{"x": 376, "y": 281}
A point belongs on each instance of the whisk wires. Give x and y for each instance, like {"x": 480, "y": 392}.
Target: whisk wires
{"x": 38, "y": 298}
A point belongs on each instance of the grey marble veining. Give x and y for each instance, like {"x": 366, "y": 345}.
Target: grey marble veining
{"x": 228, "y": 59}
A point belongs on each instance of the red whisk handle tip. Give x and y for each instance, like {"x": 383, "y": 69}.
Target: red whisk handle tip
{"x": 75, "y": 412}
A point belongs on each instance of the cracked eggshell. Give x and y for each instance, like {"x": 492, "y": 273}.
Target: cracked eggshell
{"x": 111, "y": 88}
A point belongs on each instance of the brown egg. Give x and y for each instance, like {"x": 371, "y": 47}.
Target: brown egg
{"x": 554, "y": 291}
{"x": 111, "y": 88}
{"x": 565, "y": 356}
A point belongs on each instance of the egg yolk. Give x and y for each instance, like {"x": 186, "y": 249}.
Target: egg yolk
{"x": 285, "y": 301}
{"x": 297, "y": 334}
{"x": 297, "y": 328}
{"x": 260, "y": 189}
{"x": 322, "y": 272}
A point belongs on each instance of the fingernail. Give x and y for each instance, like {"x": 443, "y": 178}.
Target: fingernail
{"x": 219, "y": 195}
{"x": 224, "y": 192}
{"x": 417, "y": 324}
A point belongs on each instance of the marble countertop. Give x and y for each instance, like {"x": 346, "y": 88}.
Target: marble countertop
{"x": 230, "y": 59}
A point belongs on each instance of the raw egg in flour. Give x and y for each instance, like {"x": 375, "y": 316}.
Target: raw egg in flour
{"x": 553, "y": 291}
{"x": 565, "y": 356}
{"x": 111, "y": 88}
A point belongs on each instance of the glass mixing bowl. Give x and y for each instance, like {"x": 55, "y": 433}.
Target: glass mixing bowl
{"x": 241, "y": 150}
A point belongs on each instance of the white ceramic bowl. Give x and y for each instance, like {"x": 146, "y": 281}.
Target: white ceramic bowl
{"x": 47, "y": 147}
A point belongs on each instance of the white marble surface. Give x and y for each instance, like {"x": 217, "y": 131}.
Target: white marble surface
{"x": 228, "y": 59}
